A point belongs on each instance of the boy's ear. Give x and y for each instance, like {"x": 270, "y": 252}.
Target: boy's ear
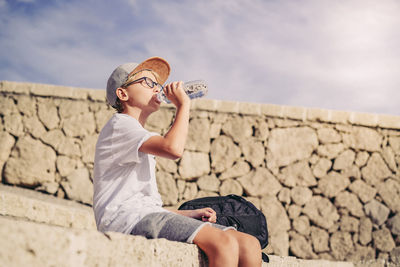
{"x": 121, "y": 94}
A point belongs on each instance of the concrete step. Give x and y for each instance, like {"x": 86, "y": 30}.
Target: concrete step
{"x": 26, "y": 243}
{"x": 41, "y": 230}
{"x": 43, "y": 208}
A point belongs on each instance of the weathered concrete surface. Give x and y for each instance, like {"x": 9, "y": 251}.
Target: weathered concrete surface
{"x": 32, "y": 244}
{"x": 30, "y": 235}
{"x": 38, "y": 207}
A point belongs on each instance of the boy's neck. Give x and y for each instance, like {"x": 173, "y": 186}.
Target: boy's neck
{"x": 138, "y": 114}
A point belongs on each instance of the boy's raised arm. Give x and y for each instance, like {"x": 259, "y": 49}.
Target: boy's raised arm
{"x": 173, "y": 143}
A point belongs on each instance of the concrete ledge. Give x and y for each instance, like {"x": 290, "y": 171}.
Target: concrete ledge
{"x": 30, "y": 233}
{"x": 38, "y": 207}
{"x": 32, "y": 244}
{"x": 289, "y": 112}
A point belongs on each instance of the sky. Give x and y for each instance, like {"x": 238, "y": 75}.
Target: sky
{"x": 341, "y": 55}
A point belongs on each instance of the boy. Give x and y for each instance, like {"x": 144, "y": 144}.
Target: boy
{"x": 126, "y": 197}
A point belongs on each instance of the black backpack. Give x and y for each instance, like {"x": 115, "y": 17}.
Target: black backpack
{"x": 233, "y": 210}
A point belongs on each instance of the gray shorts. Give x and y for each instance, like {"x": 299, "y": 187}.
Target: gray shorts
{"x": 171, "y": 226}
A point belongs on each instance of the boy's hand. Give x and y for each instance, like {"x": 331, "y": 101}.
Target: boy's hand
{"x": 205, "y": 214}
{"x": 175, "y": 93}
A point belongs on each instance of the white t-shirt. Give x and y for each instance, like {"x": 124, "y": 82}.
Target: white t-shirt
{"x": 125, "y": 187}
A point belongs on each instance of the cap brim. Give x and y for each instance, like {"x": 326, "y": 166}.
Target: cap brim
{"x": 156, "y": 64}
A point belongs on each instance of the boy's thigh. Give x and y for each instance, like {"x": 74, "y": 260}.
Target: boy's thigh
{"x": 171, "y": 226}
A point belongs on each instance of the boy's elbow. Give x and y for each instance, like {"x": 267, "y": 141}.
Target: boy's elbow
{"x": 175, "y": 153}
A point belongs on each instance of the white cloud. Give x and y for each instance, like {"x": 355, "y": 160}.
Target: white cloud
{"x": 341, "y": 55}
{"x": 320, "y": 53}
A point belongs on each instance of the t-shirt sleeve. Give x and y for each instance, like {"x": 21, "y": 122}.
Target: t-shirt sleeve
{"x": 127, "y": 139}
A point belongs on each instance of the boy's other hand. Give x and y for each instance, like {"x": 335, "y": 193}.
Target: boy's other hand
{"x": 175, "y": 93}
{"x": 206, "y": 215}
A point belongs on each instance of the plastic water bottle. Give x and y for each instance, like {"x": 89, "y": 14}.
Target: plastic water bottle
{"x": 193, "y": 89}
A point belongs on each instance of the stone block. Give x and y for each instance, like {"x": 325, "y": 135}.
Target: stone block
{"x": 341, "y": 245}
{"x": 230, "y": 187}
{"x": 80, "y": 125}
{"x": 390, "y": 193}
{"x": 48, "y": 113}
{"x": 275, "y": 214}
{"x": 7, "y": 105}
{"x": 296, "y": 113}
{"x": 302, "y": 225}
{"x": 364, "y": 119}
{"x": 249, "y": 108}
{"x": 58, "y": 91}
{"x": 321, "y": 212}
{"x": 238, "y": 128}
{"x": 349, "y": 224}
{"x": 300, "y": 247}
{"x": 328, "y": 135}
{"x": 24, "y": 168}
{"x": 363, "y": 138}
{"x": 344, "y": 160}
{"x": 260, "y": 182}
{"x": 394, "y": 224}
{"x": 198, "y": 138}
{"x": 209, "y": 183}
{"x": 167, "y": 188}
{"x": 350, "y": 202}
{"x": 321, "y": 168}
{"x": 330, "y": 151}
{"x": 15, "y": 87}
{"x": 376, "y": 211}
{"x": 254, "y": 152}
{"x": 284, "y": 195}
{"x": 239, "y": 169}
{"x": 205, "y": 104}
{"x": 272, "y": 110}
{"x": 376, "y": 170}
{"x": 97, "y": 95}
{"x": 338, "y": 116}
{"x": 78, "y": 186}
{"x": 363, "y": 191}
{"x": 167, "y": 165}
{"x": 319, "y": 239}
{"x": 223, "y": 153}
{"x": 301, "y": 195}
{"x": 13, "y": 124}
{"x": 288, "y": 145}
{"x": 7, "y": 142}
{"x": 297, "y": 174}
{"x": 332, "y": 184}
{"x": 315, "y": 114}
{"x": 193, "y": 165}
{"x": 26, "y": 105}
{"x": 389, "y": 121}
{"x": 383, "y": 240}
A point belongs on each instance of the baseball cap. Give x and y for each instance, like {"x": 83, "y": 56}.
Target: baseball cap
{"x": 120, "y": 75}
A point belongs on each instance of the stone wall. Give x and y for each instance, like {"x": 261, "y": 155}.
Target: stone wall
{"x": 327, "y": 181}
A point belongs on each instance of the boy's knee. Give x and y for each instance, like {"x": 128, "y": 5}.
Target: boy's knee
{"x": 217, "y": 241}
{"x": 228, "y": 242}
{"x": 251, "y": 249}
{"x": 253, "y": 245}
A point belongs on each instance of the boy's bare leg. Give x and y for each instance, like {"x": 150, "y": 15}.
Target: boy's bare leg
{"x": 221, "y": 248}
{"x": 229, "y": 248}
{"x": 249, "y": 249}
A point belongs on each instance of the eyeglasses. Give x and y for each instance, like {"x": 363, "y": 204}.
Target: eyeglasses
{"x": 149, "y": 82}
